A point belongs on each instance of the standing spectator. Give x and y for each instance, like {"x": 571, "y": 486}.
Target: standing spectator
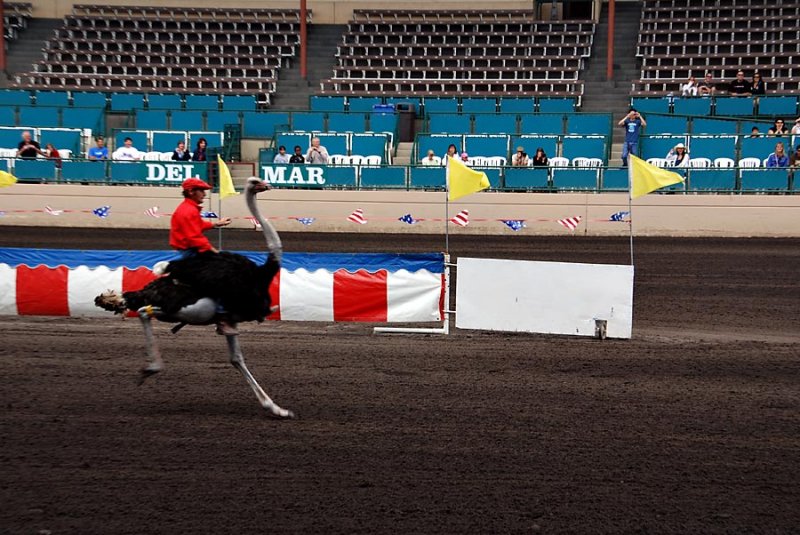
{"x": 28, "y": 148}
{"x": 758, "y": 86}
{"x": 317, "y": 154}
{"x": 180, "y": 154}
{"x": 706, "y": 87}
{"x": 755, "y": 132}
{"x": 127, "y": 152}
{"x": 520, "y": 158}
{"x": 281, "y": 157}
{"x": 297, "y": 157}
{"x": 540, "y": 158}
{"x": 199, "y": 154}
{"x": 779, "y": 157}
{"x": 99, "y": 151}
{"x": 778, "y": 129}
{"x": 739, "y": 87}
{"x": 677, "y": 156}
{"x": 689, "y": 89}
{"x": 430, "y": 159}
{"x": 796, "y": 127}
{"x": 633, "y": 123}
{"x": 452, "y": 152}
{"x": 51, "y": 153}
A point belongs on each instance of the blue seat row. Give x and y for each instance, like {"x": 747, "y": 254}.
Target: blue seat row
{"x": 166, "y": 140}
{"x": 504, "y": 145}
{"x": 362, "y": 144}
{"x": 770, "y": 106}
{"x": 70, "y": 139}
{"x": 672, "y": 124}
{"x": 712, "y": 147}
{"x": 125, "y": 102}
{"x": 446, "y": 105}
{"x": 513, "y": 123}
{"x": 52, "y": 117}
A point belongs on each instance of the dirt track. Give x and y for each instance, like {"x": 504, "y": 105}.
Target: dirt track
{"x": 693, "y": 426}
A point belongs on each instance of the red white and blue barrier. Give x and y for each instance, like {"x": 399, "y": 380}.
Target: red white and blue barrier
{"x": 381, "y": 288}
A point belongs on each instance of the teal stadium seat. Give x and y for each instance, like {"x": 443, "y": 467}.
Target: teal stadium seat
{"x": 692, "y": 106}
{"x": 83, "y": 171}
{"x": 712, "y": 147}
{"x": 734, "y": 106}
{"x": 490, "y": 145}
{"x": 168, "y": 141}
{"x": 576, "y": 179}
{"x": 323, "y": 103}
{"x": 40, "y": 117}
{"x": 126, "y": 102}
{"x": 441, "y": 105}
{"x": 659, "y": 146}
{"x": 340, "y": 176}
{"x": 161, "y": 101}
{"x": 335, "y": 143}
{"x": 8, "y": 116}
{"x": 290, "y": 139}
{"x": 427, "y": 177}
{"x": 202, "y": 102}
{"x": 645, "y": 105}
{"x": 665, "y": 124}
{"x": 493, "y": 174}
{"x": 383, "y": 177}
{"x": 62, "y": 139}
{"x": 556, "y": 105}
{"x": 14, "y": 97}
{"x": 84, "y": 99}
{"x": 363, "y": 104}
{"x": 51, "y": 98}
{"x": 778, "y": 106}
{"x": 91, "y": 118}
{"x": 239, "y": 103}
{"x": 439, "y": 143}
{"x": 35, "y": 170}
{"x": 346, "y": 122}
{"x": 527, "y": 178}
{"x": 10, "y": 137}
{"x": 505, "y": 123}
{"x": 542, "y": 124}
{"x": 186, "y": 120}
{"x": 760, "y": 147}
{"x": 702, "y": 125}
{"x": 517, "y": 105}
{"x": 263, "y": 124}
{"x": 151, "y": 120}
{"x": 216, "y": 120}
{"x": 383, "y": 122}
{"x": 140, "y": 139}
{"x": 448, "y": 123}
{"x": 711, "y": 180}
{"x": 308, "y": 121}
{"x": 586, "y": 124}
{"x": 369, "y": 145}
{"x": 614, "y": 179}
{"x": 213, "y": 139}
{"x": 530, "y": 143}
{"x": 584, "y": 146}
{"x": 478, "y": 105}
{"x": 764, "y": 179}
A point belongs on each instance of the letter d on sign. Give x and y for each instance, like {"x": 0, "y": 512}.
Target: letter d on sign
{"x": 155, "y": 172}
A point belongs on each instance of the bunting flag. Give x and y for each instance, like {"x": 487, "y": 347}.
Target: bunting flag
{"x": 645, "y": 177}
{"x": 209, "y": 215}
{"x": 226, "y": 188}
{"x": 619, "y": 216}
{"x": 102, "y": 212}
{"x": 570, "y": 222}
{"x": 463, "y": 181}
{"x": 50, "y": 211}
{"x": 2, "y": 213}
{"x": 255, "y": 222}
{"x": 462, "y": 218}
{"x": 514, "y": 224}
{"x": 357, "y": 217}
{"x": 152, "y": 212}
{"x": 306, "y": 221}
{"x": 7, "y": 179}
{"x": 407, "y": 219}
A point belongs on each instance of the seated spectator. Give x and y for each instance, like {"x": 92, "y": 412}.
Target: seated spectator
{"x": 180, "y": 154}
{"x": 199, "y": 154}
{"x": 739, "y": 87}
{"x": 796, "y": 127}
{"x": 755, "y": 132}
{"x": 51, "y": 153}
{"x": 520, "y": 158}
{"x": 297, "y": 157}
{"x": 677, "y": 156}
{"x": 540, "y": 158}
{"x": 758, "y": 86}
{"x": 706, "y": 87}
{"x": 794, "y": 159}
{"x": 317, "y": 154}
{"x": 779, "y": 157}
{"x": 464, "y": 157}
{"x": 127, "y": 152}
{"x": 689, "y": 89}
{"x": 430, "y": 159}
{"x": 28, "y": 148}
{"x": 99, "y": 151}
{"x": 452, "y": 152}
{"x": 281, "y": 157}
{"x": 778, "y": 129}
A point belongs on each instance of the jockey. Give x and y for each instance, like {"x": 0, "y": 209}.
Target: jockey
{"x": 186, "y": 226}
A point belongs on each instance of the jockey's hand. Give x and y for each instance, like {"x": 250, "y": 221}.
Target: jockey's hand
{"x": 225, "y": 221}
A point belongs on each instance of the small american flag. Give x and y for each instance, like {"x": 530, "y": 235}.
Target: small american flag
{"x": 209, "y": 215}
{"x": 152, "y": 212}
{"x": 461, "y": 219}
{"x": 407, "y": 219}
{"x": 618, "y": 216}
{"x": 2, "y": 213}
{"x": 570, "y": 222}
{"x": 357, "y": 217}
{"x": 50, "y": 211}
{"x": 305, "y": 220}
{"x": 254, "y": 221}
{"x": 514, "y": 224}
{"x": 102, "y": 212}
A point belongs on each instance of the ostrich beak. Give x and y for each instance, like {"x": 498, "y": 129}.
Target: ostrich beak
{"x": 260, "y": 186}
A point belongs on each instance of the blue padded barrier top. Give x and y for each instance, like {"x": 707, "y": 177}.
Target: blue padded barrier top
{"x": 202, "y": 102}
{"x": 527, "y": 178}
{"x": 427, "y": 177}
{"x": 340, "y": 176}
{"x": 159, "y": 101}
{"x": 239, "y": 103}
{"x": 126, "y": 101}
{"x": 441, "y": 105}
{"x": 15, "y": 97}
{"x": 734, "y": 106}
{"x": 711, "y": 179}
{"x": 383, "y": 177}
{"x": 692, "y": 106}
{"x": 84, "y": 99}
{"x": 363, "y": 104}
{"x": 764, "y": 179}
{"x": 566, "y": 178}
{"x": 651, "y": 105}
{"x": 35, "y": 170}
{"x": 615, "y": 179}
{"x": 83, "y": 171}
{"x": 517, "y": 105}
{"x": 556, "y": 105}
{"x": 478, "y": 105}
{"x": 781, "y": 106}
{"x": 52, "y": 98}
{"x": 326, "y": 103}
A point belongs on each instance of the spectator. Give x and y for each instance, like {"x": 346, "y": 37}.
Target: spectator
{"x": 465, "y": 158}
{"x": 51, "y": 153}
{"x": 706, "y": 87}
{"x": 430, "y": 159}
{"x": 297, "y": 157}
{"x": 758, "y": 86}
{"x": 796, "y": 127}
{"x": 778, "y": 129}
{"x": 127, "y": 152}
{"x": 739, "y": 87}
{"x": 755, "y": 132}
{"x": 794, "y": 159}
{"x": 633, "y": 123}
{"x": 540, "y": 158}
{"x": 677, "y": 156}
{"x": 281, "y": 157}
{"x": 199, "y": 154}
{"x": 689, "y": 89}
{"x": 779, "y": 157}
{"x": 520, "y": 158}
{"x": 28, "y": 148}
{"x": 180, "y": 154}
{"x": 317, "y": 154}
{"x": 99, "y": 151}
{"x": 452, "y": 151}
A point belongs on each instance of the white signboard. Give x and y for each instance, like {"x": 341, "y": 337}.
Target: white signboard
{"x": 544, "y": 297}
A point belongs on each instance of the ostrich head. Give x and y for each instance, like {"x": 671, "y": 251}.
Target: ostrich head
{"x": 254, "y": 186}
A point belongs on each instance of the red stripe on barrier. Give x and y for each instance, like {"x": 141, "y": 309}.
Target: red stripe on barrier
{"x": 441, "y": 297}
{"x": 134, "y": 280}
{"x": 275, "y": 295}
{"x": 360, "y": 296}
{"x": 42, "y": 291}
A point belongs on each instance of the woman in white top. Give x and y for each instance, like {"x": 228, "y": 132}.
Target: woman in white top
{"x": 430, "y": 159}
{"x": 452, "y": 152}
{"x": 689, "y": 89}
{"x": 677, "y": 156}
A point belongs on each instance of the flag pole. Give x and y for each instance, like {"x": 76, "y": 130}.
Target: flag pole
{"x": 630, "y": 206}
{"x": 447, "y": 207}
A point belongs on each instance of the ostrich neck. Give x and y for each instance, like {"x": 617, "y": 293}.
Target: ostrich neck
{"x": 273, "y": 240}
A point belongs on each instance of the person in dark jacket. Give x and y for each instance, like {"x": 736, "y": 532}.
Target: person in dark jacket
{"x": 199, "y": 154}
{"x": 180, "y": 154}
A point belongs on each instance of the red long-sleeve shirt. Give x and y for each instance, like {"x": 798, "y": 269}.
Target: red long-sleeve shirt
{"x": 187, "y": 227}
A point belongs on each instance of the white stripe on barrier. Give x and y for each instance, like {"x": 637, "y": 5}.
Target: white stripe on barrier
{"x": 413, "y": 297}
{"x": 84, "y": 284}
{"x": 8, "y": 290}
{"x": 306, "y": 296}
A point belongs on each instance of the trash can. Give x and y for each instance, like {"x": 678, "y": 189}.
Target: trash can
{"x": 406, "y": 117}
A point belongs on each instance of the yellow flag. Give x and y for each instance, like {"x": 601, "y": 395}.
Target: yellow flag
{"x": 226, "y": 188}
{"x": 463, "y": 181}
{"x": 645, "y": 177}
{"x": 7, "y": 179}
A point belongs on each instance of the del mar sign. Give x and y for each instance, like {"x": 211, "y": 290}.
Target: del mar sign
{"x": 169, "y": 172}
{"x": 294, "y": 175}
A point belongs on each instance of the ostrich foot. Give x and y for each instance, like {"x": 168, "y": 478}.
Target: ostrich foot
{"x": 278, "y": 413}
{"x": 146, "y": 372}
{"x": 226, "y": 329}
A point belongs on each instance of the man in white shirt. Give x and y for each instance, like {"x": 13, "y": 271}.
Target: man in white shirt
{"x": 281, "y": 157}
{"x": 317, "y": 154}
{"x": 431, "y": 159}
{"x": 127, "y": 152}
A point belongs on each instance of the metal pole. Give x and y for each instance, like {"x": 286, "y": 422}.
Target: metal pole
{"x": 610, "y": 57}
{"x": 303, "y": 40}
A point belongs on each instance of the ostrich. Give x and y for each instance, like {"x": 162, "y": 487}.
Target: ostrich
{"x": 194, "y": 291}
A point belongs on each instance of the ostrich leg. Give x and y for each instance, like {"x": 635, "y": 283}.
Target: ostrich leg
{"x": 153, "y": 353}
{"x": 237, "y": 359}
